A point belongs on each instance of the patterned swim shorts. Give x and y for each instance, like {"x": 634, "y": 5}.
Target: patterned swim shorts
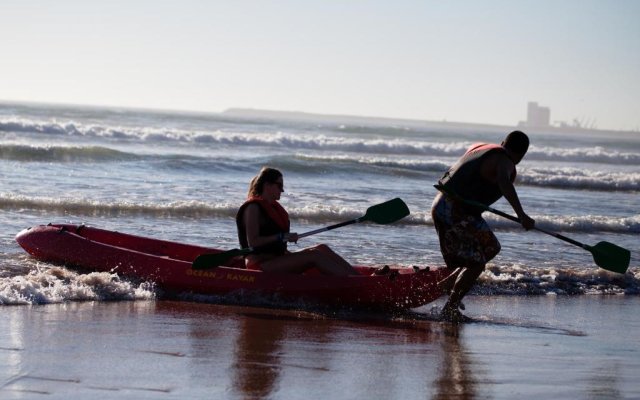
{"x": 464, "y": 238}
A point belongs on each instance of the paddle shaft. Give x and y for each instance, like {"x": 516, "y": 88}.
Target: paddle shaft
{"x": 606, "y": 255}
{"x": 328, "y": 228}
{"x": 510, "y": 217}
{"x": 249, "y": 250}
{"x": 515, "y": 219}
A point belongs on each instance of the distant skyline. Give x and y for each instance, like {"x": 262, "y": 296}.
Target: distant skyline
{"x": 462, "y": 61}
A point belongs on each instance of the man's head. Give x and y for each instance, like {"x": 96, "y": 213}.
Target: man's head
{"x": 516, "y": 143}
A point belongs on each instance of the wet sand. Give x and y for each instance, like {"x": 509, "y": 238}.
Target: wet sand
{"x": 582, "y": 347}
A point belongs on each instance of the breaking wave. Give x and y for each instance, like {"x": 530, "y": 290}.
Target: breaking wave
{"x": 315, "y": 213}
{"x": 383, "y": 145}
{"x": 52, "y": 284}
{"x": 47, "y": 285}
{"x": 521, "y": 280}
{"x": 26, "y": 153}
{"x": 556, "y": 177}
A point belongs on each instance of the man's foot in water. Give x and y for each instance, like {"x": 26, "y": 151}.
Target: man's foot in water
{"x": 453, "y": 315}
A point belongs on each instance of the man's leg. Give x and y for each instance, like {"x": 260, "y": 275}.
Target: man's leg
{"x": 447, "y": 283}
{"x": 463, "y": 283}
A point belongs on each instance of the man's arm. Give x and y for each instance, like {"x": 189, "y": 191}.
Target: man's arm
{"x": 504, "y": 168}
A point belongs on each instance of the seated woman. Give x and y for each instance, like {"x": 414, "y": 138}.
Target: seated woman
{"x": 264, "y": 225}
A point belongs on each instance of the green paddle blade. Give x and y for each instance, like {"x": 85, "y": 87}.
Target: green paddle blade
{"x": 205, "y": 261}
{"x": 387, "y": 212}
{"x": 611, "y": 257}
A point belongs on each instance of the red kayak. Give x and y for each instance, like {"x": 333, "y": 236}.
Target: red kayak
{"x": 168, "y": 265}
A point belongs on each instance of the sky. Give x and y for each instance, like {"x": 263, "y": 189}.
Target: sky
{"x": 463, "y": 61}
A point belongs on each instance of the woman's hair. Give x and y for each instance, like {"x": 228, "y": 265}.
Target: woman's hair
{"x": 266, "y": 175}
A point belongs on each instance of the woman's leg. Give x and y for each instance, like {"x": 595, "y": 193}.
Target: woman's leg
{"x": 336, "y": 259}
{"x": 320, "y": 257}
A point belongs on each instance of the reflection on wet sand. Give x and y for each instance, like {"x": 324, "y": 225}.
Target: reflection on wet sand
{"x": 195, "y": 350}
{"x": 271, "y": 346}
{"x": 456, "y": 378}
{"x": 231, "y": 352}
{"x": 257, "y": 359}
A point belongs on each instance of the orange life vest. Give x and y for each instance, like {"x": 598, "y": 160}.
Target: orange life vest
{"x": 464, "y": 177}
{"x": 274, "y": 219}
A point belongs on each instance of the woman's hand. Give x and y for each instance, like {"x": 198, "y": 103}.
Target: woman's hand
{"x": 291, "y": 237}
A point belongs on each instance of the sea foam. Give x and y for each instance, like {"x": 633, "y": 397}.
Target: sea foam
{"x": 521, "y": 280}
{"x": 318, "y": 213}
{"x": 319, "y": 141}
{"x": 56, "y": 285}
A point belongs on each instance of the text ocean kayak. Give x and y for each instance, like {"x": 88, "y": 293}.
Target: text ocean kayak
{"x": 168, "y": 265}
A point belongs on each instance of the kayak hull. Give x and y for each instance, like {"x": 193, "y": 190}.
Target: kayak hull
{"x": 168, "y": 265}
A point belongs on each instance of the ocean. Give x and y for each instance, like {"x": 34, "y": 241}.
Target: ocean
{"x": 181, "y": 176}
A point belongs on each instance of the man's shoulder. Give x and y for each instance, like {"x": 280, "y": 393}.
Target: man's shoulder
{"x": 494, "y": 162}
{"x": 498, "y": 157}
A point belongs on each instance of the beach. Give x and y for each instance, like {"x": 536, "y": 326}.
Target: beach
{"x": 546, "y": 321}
{"x": 530, "y": 347}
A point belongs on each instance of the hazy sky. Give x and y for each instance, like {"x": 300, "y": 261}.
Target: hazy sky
{"x": 471, "y": 61}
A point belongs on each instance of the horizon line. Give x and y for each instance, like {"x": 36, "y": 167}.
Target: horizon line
{"x": 292, "y": 114}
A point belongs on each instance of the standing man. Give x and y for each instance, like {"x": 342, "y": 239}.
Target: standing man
{"x": 484, "y": 174}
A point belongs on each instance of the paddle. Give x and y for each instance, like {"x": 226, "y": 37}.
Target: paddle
{"x": 606, "y": 255}
{"x": 383, "y": 213}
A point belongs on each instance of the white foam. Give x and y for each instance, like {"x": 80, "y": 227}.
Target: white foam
{"x": 583, "y": 154}
{"x": 575, "y": 178}
{"x": 388, "y": 145}
{"x": 316, "y": 212}
{"x": 57, "y": 285}
{"x": 521, "y": 280}
{"x": 557, "y": 177}
{"x": 583, "y": 223}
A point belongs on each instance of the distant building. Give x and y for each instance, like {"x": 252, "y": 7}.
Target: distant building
{"x": 537, "y": 116}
